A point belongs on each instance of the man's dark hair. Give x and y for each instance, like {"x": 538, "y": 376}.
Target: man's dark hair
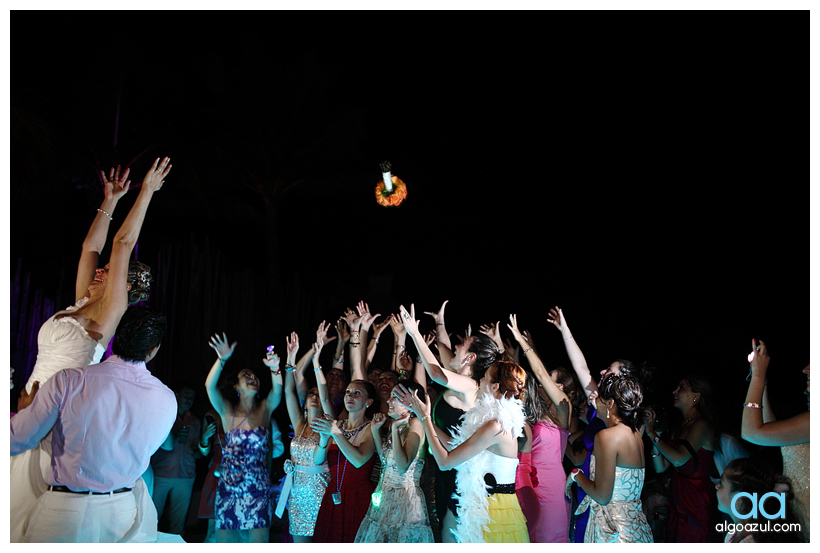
{"x": 140, "y": 329}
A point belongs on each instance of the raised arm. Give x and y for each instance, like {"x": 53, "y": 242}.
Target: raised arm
{"x": 486, "y": 436}
{"x": 354, "y": 322}
{"x": 114, "y": 301}
{"x": 378, "y": 328}
{"x": 291, "y": 398}
{"x": 321, "y": 381}
{"x": 576, "y": 357}
{"x": 114, "y": 187}
{"x": 271, "y": 361}
{"x": 223, "y": 353}
{"x": 454, "y": 381}
{"x": 794, "y": 430}
{"x": 445, "y": 350}
{"x": 556, "y": 394}
{"x": 399, "y": 343}
{"x": 343, "y": 339}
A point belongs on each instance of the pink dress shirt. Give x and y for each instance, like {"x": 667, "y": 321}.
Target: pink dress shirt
{"x": 108, "y": 419}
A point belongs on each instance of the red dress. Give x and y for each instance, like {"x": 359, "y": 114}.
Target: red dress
{"x": 693, "y": 514}
{"x": 340, "y": 523}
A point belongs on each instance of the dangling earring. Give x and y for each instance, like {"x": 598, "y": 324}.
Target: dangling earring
{"x": 607, "y": 412}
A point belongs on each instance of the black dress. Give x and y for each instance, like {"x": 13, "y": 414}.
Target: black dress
{"x": 447, "y": 418}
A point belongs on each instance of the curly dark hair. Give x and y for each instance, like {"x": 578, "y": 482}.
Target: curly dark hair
{"x": 628, "y": 395}
{"x": 139, "y": 277}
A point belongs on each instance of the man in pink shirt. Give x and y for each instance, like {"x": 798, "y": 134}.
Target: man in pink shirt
{"x": 106, "y": 422}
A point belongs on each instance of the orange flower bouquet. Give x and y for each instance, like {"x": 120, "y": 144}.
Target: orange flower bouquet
{"x": 392, "y": 194}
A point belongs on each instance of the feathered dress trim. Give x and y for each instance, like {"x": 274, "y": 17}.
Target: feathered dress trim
{"x": 471, "y": 490}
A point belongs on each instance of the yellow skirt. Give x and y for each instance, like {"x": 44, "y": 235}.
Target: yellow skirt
{"x": 507, "y": 522}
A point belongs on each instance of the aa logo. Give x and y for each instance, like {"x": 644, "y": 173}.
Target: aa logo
{"x": 758, "y": 505}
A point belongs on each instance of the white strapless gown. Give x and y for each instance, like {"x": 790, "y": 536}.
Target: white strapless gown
{"x": 61, "y": 344}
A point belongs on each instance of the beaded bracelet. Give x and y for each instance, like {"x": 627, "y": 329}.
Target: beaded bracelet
{"x": 424, "y": 418}
{"x": 317, "y": 369}
{"x": 355, "y": 344}
{"x": 105, "y": 213}
{"x": 289, "y": 368}
{"x": 528, "y": 350}
{"x": 753, "y": 405}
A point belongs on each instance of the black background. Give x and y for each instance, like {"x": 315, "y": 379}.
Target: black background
{"x": 641, "y": 170}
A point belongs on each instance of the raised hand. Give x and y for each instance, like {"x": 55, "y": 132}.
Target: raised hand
{"x": 115, "y": 185}
{"x": 321, "y": 334}
{"x": 353, "y": 320}
{"x": 430, "y": 337}
{"x": 220, "y": 345}
{"x": 378, "y": 421}
{"x": 367, "y": 317}
{"x": 378, "y": 328}
{"x": 396, "y": 325}
{"x": 156, "y": 174}
{"x": 292, "y": 347}
{"x": 323, "y": 425}
{"x": 341, "y": 331}
{"x": 403, "y": 395}
{"x": 556, "y": 317}
{"x": 513, "y": 326}
{"x": 405, "y": 362}
{"x": 272, "y": 361}
{"x": 420, "y": 409}
{"x": 439, "y": 317}
{"x": 408, "y": 319}
{"x": 493, "y": 331}
{"x": 760, "y": 359}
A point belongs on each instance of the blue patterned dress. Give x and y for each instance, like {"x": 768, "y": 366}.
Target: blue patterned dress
{"x": 243, "y": 495}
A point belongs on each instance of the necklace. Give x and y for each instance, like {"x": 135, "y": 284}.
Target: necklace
{"x": 243, "y": 420}
{"x": 350, "y": 436}
{"x": 687, "y": 421}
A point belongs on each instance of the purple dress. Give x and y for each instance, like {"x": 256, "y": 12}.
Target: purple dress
{"x": 243, "y": 495}
{"x": 594, "y": 426}
{"x": 549, "y": 443}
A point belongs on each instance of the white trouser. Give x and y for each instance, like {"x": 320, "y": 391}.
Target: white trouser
{"x": 82, "y": 518}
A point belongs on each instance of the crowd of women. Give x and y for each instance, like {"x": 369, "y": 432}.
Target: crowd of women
{"x": 465, "y": 444}
{"x": 475, "y": 441}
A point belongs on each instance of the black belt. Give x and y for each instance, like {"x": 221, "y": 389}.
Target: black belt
{"x": 494, "y": 487}
{"x": 501, "y": 488}
{"x": 66, "y": 490}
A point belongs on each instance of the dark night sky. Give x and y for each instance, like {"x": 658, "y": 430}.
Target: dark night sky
{"x": 641, "y": 170}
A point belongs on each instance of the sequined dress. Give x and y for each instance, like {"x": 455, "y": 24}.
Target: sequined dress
{"x": 622, "y": 520}
{"x": 796, "y": 468}
{"x": 243, "y": 495}
{"x": 308, "y": 486}
{"x": 401, "y": 516}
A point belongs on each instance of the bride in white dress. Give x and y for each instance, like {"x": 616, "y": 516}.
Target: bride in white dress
{"x": 78, "y": 335}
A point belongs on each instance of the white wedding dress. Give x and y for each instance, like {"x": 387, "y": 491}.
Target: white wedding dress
{"x": 61, "y": 344}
